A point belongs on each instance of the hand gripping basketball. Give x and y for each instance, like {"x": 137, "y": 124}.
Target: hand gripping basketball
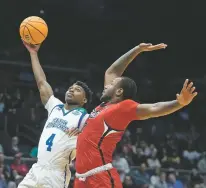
{"x": 31, "y": 47}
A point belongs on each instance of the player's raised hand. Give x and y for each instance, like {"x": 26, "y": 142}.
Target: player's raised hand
{"x": 146, "y": 47}
{"x": 187, "y": 93}
{"x": 31, "y": 47}
{"x": 73, "y": 132}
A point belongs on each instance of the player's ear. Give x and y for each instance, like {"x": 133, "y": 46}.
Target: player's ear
{"x": 119, "y": 92}
{"x": 85, "y": 100}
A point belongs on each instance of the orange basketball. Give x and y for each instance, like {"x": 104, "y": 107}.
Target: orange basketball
{"x": 33, "y": 30}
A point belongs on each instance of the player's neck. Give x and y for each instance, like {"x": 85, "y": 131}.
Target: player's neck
{"x": 70, "y": 106}
{"x": 115, "y": 100}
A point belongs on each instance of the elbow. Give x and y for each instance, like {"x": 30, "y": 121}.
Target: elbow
{"x": 40, "y": 83}
{"x": 108, "y": 72}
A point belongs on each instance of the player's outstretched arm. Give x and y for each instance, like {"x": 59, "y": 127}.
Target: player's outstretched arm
{"x": 187, "y": 94}
{"x": 44, "y": 88}
{"x": 119, "y": 66}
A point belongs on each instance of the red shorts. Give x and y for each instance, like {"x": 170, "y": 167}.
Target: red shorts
{"x": 106, "y": 179}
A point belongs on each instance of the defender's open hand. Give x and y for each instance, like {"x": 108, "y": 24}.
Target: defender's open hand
{"x": 146, "y": 47}
{"x": 187, "y": 93}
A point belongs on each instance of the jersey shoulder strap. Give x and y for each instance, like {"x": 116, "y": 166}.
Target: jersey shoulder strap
{"x": 82, "y": 110}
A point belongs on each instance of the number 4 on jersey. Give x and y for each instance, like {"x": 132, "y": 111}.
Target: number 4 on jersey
{"x": 49, "y": 142}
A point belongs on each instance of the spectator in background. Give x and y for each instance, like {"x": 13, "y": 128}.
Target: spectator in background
{"x": 128, "y": 183}
{"x": 127, "y": 153}
{"x": 2, "y": 105}
{"x": 6, "y": 175}
{"x": 1, "y": 159}
{"x": 19, "y": 169}
{"x": 1, "y": 149}
{"x": 122, "y": 166}
{"x": 34, "y": 152}
{"x": 126, "y": 147}
{"x": 190, "y": 157}
{"x": 202, "y": 163}
{"x": 200, "y": 186}
{"x": 155, "y": 177}
{"x": 153, "y": 162}
{"x": 146, "y": 151}
{"x": 153, "y": 150}
{"x": 127, "y": 136}
{"x": 195, "y": 178}
{"x": 6, "y": 99}
{"x": 173, "y": 161}
{"x": 17, "y": 99}
{"x": 140, "y": 177}
{"x": 162, "y": 181}
{"x": 14, "y": 145}
{"x": 3, "y": 183}
{"x": 171, "y": 144}
{"x": 164, "y": 159}
{"x": 173, "y": 182}
{"x": 137, "y": 157}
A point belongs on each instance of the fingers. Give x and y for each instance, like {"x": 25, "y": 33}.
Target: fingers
{"x": 192, "y": 89}
{"x": 158, "y": 46}
{"x": 194, "y": 94}
{"x": 155, "y": 47}
{"x": 189, "y": 87}
{"x": 76, "y": 132}
{"x": 73, "y": 132}
{"x": 31, "y": 45}
{"x": 150, "y": 47}
{"x": 185, "y": 84}
{"x": 25, "y": 44}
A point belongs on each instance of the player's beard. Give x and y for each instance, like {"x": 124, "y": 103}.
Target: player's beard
{"x": 72, "y": 103}
{"x": 105, "y": 98}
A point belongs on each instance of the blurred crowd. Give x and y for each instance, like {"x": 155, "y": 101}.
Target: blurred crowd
{"x": 150, "y": 155}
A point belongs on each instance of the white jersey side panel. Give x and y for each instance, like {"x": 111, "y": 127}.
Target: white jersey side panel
{"x": 55, "y": 146}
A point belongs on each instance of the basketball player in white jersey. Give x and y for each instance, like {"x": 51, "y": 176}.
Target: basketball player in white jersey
{"x": 56, "y": 147}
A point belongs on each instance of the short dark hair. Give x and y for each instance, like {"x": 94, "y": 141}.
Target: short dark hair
{"x": 87, "y": 90}
{"x": 130, "y": 88}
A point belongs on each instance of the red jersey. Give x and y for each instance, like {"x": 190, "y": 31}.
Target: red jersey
{"x": 22, "y": 169}
{"x": 103, "y": 130}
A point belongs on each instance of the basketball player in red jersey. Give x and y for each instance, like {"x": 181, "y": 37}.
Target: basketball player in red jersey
{"x": 107, "y": 122}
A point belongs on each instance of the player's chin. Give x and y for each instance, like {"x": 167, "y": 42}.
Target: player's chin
{"x": 72, "y": 102}
{"x": 69, "y": 100}
{"x": 103, "y": 98}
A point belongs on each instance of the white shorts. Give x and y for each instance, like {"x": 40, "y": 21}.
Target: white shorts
{"x": 46, "y": 177}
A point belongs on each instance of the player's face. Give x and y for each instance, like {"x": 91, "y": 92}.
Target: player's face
{"x": 110, "y": 90}
{"x": 75, "y": 95}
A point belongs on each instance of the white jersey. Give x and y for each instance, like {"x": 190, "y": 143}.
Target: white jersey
{"x": 55, "y": 146}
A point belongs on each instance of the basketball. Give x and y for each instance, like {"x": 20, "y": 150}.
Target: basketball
{"x": 33, "y": 30}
